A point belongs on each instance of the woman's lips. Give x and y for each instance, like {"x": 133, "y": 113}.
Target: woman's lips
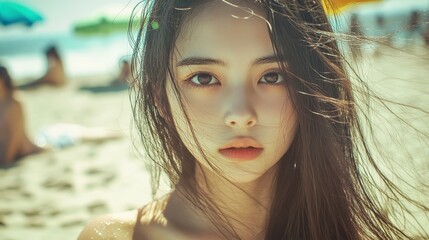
{"x": 247, "y": 153}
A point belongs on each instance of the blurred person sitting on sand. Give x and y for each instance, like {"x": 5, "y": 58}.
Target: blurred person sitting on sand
{"x": 55, "y": 74}
{"x": 124, "y": 74}
{"x": 118, "y": 83}
{"x": 14, "y": 142}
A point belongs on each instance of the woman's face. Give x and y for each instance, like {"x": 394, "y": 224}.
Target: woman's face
{"x": 236, "y": 100}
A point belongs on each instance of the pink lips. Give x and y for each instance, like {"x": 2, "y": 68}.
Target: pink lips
{"x": 241, "y": 149}
{"x": 241, "y": 153}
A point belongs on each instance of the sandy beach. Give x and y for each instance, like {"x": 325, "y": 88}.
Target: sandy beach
{"x": 52, "y": 195}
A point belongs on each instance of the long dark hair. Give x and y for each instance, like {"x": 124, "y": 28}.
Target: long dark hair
{"x": 326, "y": 192}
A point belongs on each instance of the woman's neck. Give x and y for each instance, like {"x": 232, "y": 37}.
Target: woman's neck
{"x": 245, "y": 206}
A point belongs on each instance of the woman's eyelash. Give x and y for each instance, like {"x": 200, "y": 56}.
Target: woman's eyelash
{"x": 191, "y": 83}
{"x": 280, "y": 77}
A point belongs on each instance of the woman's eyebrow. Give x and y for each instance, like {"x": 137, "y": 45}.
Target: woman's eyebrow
{"x": 268, "y": 59}
{"x": 199, "y": 61}
{"x": 210, "y": 61}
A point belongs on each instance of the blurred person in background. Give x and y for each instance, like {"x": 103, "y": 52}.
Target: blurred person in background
{"x": 124, "y": 74}
{"x": 355, "y": 33}
{"x": 383, "y": 36}
{"x": 413, "y": 28}
{"x": 426, "y": 31}
{"x": 55, "y": 74}
{"x": 14, "y": 142}
{"x": 118, "y": 83}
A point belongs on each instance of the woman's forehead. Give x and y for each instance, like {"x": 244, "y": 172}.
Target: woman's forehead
{"x": 218, "y": 28}
{"x": 222, "y": 10}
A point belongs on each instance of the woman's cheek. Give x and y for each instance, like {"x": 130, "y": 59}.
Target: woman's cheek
{"x": 202, "y": 101}
{"x": 273, "y": 97}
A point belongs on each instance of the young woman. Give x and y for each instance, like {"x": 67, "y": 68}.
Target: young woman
{"x": 248, "y": 109}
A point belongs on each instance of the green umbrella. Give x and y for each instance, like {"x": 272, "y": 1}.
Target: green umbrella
{"x": 110, "y": 19}
{"x": 101, "y": 26}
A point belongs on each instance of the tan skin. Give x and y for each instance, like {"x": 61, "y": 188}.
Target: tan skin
{"x": 164, "y": 218}
{"x": 14, "y": 142}
{"x": 153, "y": 221}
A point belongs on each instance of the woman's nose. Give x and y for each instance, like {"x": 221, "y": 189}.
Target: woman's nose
{"x": 240, "y": 120}
{"x": 241, "y": 113}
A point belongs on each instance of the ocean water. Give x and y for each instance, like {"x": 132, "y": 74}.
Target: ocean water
{"x": 82, "y": 55}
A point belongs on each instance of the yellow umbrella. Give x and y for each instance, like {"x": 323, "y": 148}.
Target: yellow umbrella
{"x": 336, "y": 6}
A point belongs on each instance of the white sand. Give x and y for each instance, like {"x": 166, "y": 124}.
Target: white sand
{"x": 52, "y": 195}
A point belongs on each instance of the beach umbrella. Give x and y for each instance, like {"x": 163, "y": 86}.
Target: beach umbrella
{"x": 101, "y": 26}
{"x": 105, "y": 20}
{"x": 16, "y": 13}
{"x": 336, "y": 6}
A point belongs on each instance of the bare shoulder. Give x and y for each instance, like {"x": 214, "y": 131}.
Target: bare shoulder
{"x": 116, "y": 226}
{"x": 125, "y": 225}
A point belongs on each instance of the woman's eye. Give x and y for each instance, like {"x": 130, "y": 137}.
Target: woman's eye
{"x": 204, "y": 79}
{"x": 272, "y": 78}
